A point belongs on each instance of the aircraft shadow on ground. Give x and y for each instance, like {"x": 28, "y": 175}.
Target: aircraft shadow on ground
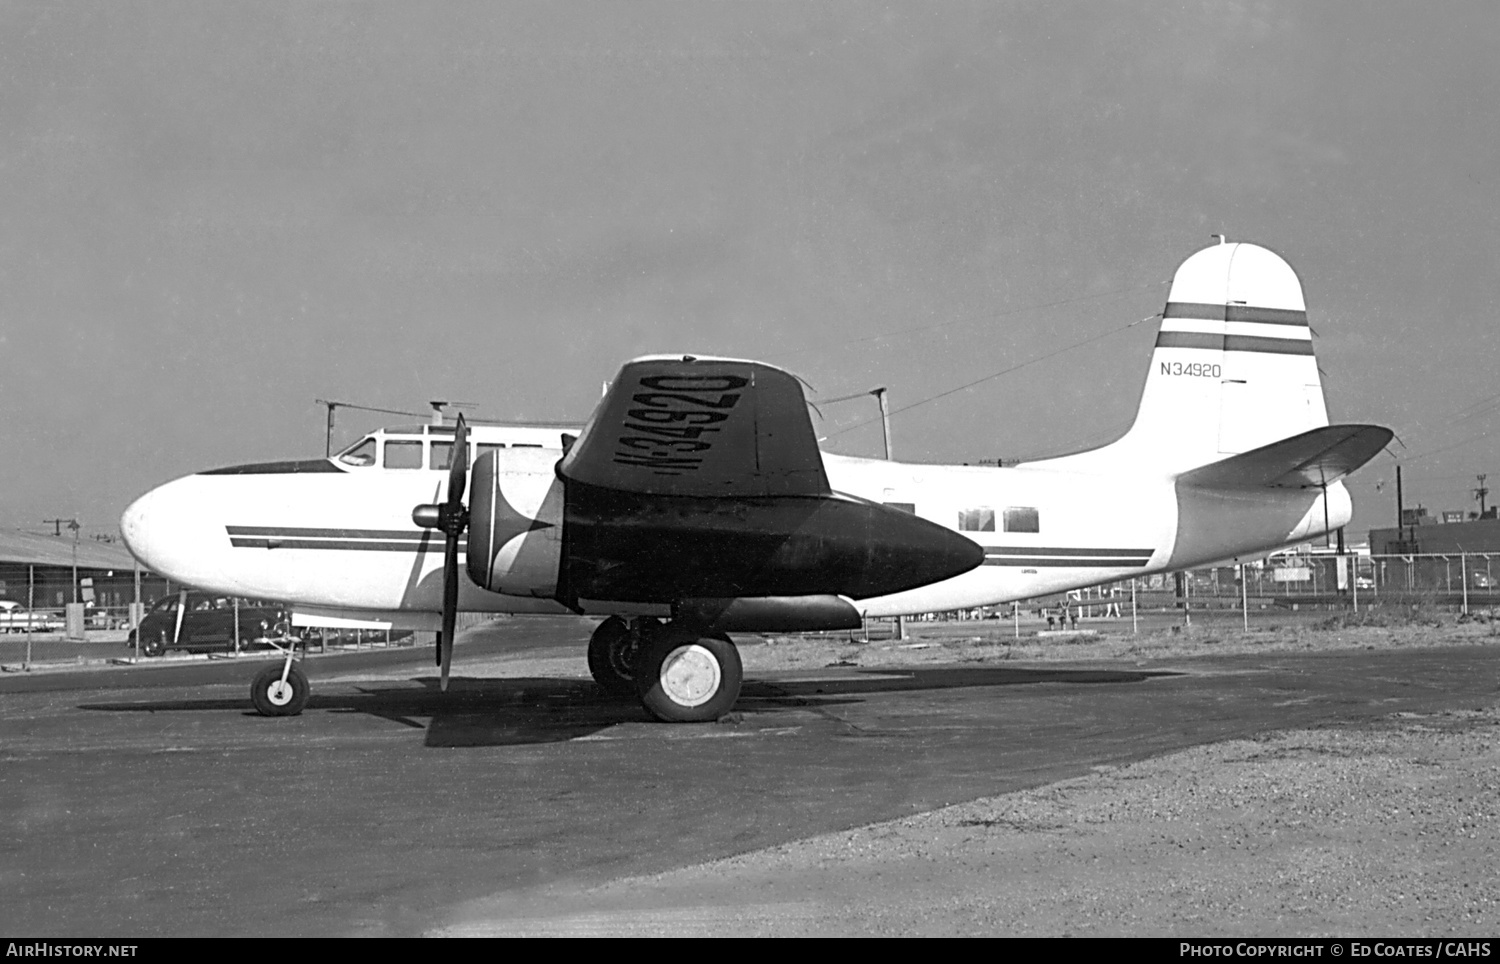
{"x": 517, "y": 711}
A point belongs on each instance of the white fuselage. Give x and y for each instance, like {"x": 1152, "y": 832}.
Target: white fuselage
{"x": 343, "y": 541}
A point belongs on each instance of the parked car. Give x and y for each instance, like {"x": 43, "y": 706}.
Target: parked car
{"x": 1483, "y": 580}
{"x": 208, "y": 624}
{"x": 16, "y": 618}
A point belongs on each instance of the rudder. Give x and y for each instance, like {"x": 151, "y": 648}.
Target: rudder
{"x": 1233, "y": 367}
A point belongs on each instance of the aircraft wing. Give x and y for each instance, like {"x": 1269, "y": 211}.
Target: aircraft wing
{"x": 1319, "y": 457}
{"x": 679, "y": 425}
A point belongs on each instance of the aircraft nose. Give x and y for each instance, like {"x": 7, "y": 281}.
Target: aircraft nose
{"x": 154, "y": 526}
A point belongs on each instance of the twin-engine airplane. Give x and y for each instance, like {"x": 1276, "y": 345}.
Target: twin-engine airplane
{"x": 696, "y": 503}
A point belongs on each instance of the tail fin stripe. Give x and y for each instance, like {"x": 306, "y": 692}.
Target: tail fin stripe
{"x": 1206, "y": 312}
{"x": 1200, "y": 339}
{"x": 1190, "y": 339}
{"x": 1278, "y": 346}
{"x": 1266, "y": 316}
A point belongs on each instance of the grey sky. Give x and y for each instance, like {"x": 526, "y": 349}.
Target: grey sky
{"x": 211, "y": 214}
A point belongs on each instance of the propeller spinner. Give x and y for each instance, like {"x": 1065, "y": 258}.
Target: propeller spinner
{"x": 451, "y": 517}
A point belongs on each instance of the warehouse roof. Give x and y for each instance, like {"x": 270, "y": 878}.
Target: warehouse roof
{"x": 29, "y": 548}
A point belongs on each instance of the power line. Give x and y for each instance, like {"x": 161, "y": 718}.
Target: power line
{"x": 994, "y": 375}
{"x": 972, "y": 318}
{"x": 1445, "y": 448}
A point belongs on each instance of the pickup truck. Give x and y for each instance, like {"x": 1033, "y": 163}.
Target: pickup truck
{"x": 15, "y": 618}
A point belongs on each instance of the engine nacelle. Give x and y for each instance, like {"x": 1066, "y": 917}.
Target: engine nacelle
{"x": 515, "y": 522}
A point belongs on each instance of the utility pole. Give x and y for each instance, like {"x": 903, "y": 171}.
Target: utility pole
{"x": 57, "y": 525}
{"x": 1400, "y": 510}
{"x": 885, "y": 419}
{"x": 1480, "y": 494}
{"x": 57, "y": 532}
{"x": 885, "y": 436}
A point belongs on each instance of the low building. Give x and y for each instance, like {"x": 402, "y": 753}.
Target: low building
{"x": 47, "y": 572}
{"x": 1476, "y": 535}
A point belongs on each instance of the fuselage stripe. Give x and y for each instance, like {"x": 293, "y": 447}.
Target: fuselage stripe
{"x": 292, "y": 532}
{"x": 1062, "y": 551}
{"x": 1076, "y": 562}
{"x": 368, "y": 545}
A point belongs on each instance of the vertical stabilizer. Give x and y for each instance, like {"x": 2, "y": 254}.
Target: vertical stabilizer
{"x": 1233, "y": 367}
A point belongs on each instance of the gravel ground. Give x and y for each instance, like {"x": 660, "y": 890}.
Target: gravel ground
{"x": 1387, "y": 829}
{"x": 1392, "y": 829}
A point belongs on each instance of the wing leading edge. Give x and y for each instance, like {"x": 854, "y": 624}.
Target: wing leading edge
{"x": 690, "y": 426}
{"x": 1315, "y": 458}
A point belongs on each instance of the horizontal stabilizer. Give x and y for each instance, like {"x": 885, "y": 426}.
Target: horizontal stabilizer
{"x": 1316, "y": 458}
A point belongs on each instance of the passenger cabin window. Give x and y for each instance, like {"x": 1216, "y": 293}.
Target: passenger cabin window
{"x": 442, "y": 455}
{"x": 362, "y": 453}
{"x": 1022, "y": 519}
{"x": 403, "y": 455}
{"x": 976, "y": 520}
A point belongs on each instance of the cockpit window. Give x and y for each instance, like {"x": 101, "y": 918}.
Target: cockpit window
{"x": 360, "y": 453}
{"x": 403, "y": 455}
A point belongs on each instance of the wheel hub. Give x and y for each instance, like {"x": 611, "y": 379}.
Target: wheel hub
{"x": 622, "y": 655}
{"x": 690, "y": 675}
{"x": 279, "y": 692}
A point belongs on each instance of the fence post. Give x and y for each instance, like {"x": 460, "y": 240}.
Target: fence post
{"x": 1463, "y": 572}
{"x": 1244, "y": 598}
{"x": 1135, "y": 624}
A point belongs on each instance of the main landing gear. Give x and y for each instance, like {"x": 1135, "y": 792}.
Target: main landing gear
{"x": 680, "y": 674}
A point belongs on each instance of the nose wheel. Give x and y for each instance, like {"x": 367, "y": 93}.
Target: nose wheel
{"x": 281, "y": 690}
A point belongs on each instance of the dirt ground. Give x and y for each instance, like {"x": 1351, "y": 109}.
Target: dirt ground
{"x": 991, "y": 641}
{"x": 1386, "y": 829}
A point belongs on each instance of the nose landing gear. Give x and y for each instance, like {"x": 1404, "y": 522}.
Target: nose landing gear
{"x": 281, "y": 690}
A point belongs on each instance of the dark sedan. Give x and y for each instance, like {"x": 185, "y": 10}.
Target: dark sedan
{"x": 209, "y": 622}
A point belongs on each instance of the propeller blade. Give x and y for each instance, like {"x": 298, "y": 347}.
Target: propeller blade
{"x": 457, "y": 519}
{"x": 458, "y": 467}
{"x": 450, "y": 610}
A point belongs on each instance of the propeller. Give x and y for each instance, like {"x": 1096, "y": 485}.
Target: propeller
{"x": 451, "y": 517}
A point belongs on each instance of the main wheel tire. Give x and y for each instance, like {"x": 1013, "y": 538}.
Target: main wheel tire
{"x": 272, "y": 697}
{"x": 684, "y": 677}
{"x": 612, "y": 654}
{"x": 154, "y": 645}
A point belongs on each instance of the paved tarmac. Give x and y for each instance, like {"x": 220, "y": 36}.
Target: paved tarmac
{"x": 153, "y": 801}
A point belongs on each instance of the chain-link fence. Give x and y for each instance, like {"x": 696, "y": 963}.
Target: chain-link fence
{"x": 1464, "y": 580}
